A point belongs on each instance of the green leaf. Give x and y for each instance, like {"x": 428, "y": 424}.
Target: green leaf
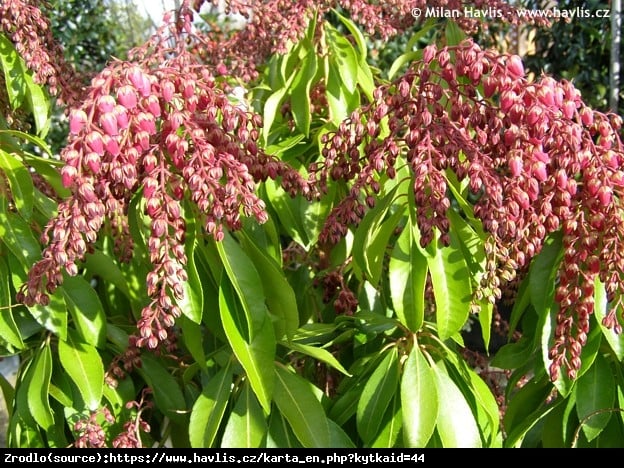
{"x": 8, "y": 393}
{"x": 14, "y": 72}
{"x": 542, "y": 273}
{"x": 615, "y": 340}
{"x": 256, "y": 355}
{"x": 407, "y": 275}
{"x": 390, "y": 425}
{"x": 317, "y": 353}
{"x": 52, "y": 316}
{"x": 192, "y": 303}
{"x": 18, "y": 236}
{"x": 452, "y": 289}
{"x": 39, "y": 105}
{"x": 84, "y": 367}
{"x": 343, "y": 57}
{"x": 456, "y": 426}
{"x": 193, "y": 340}
{"x": 419, "y": 400}
{"x": 167, "y": 393}
{"x": 9, "y": 331}
{"x": 247, "y": 425}
{"x": 247, "y": 283}
{"x": 20, "y": 182}
{"x": 525, "y": 408}
{"x": 280, "y": 434}
{"x": 377, "y": 395}
{"x": 297, "y": 402}
{"x": 271, "y": 107}
{"x": 411, "y": 55}
{"x": 372, "y": 237}
{"x": 97, "y": 263}
{"x": 454, "y": 34}
{"x": 38, "y": 388}
{"x": 29, "y": 158}
{"x": 288, "y": 212}
{"x": 513, "y": 355}
{"x": 209, "y": 408}
{"x": 279, "y": 295}
{"x": 300, "y": 94}
{"x": 86, "y": 309}
{"x": 595, "y": 397}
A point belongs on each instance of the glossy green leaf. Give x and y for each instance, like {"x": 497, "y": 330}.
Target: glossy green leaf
{"x": 419, "y": 399}
{"x": 247, "y": 425}
{"x": 9, "y": 331}
{"x": 407, "y": 277}
{"x": 376, "y": 396}
{"x": 192, "y": 303}
{"x": 18, "y": 236}
{"x": 456, "y": 426}
{"x": 453, "y": 33}
{"x": 86, "y": 309}
{"x": 452, "y": 289}
{"x": 167, "y": 393}
{"x": 39, "y": 105}
{"x": 280, "y": 434}
{"x": 279, "y": 295}
{"x": 29, "y": 158}
{"x": 372, "y": 236}
{"x": 256, "y": 355}
{"x": 411, "y": 55}
{"x": 542, "y": 273}
{"x": 8, "y": 393}
{"x": 595, "y": 397}
{"x": 513, "y": 355}
{"x": 300, "y": 94}
{"x": 97, "y": 263}
{"x": 341, "y": 102}
{"x": 345, "y": 406}
{"x": 14, "y": 72}
{"x": 271, "y": 107}
{"x": 209, "y": 409}
{"x": 20, "y": 182}
{"x": 319, "y": 354}
{"x": 247, "y": 282}
{"x": 390, "y": 425}
{"x": 615, "y": 340}
{"x": 297, "y": 402}
{"x": 193, "y": 338}
{"x": 84, "y": 367}
{"x": 288, "y": 212}
{"x": 38, "y": 386}
{"x": 343, "y": 57}
{"x": 52, "y": 316}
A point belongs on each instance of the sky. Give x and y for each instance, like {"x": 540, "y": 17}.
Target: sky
{"x": 154, "y": 8}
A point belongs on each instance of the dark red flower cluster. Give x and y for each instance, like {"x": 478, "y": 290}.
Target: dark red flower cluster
{"x": 89, "y": 430}
{"x": 166, "y": 129}
{"x": 536, "y": 159}
{"x": 29, "y": 30}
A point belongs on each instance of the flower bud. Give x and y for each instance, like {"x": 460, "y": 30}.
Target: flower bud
{"x": 515, "y": 67}
{"x": 108, "y": 122}
{"x": 428, "y": 53}
{"x": 127, "y": 97}
{"x": 94, "y": 141}
{"x": 77, "y": 121}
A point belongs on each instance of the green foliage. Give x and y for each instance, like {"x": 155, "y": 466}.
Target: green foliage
{"x": 262, "y": 358}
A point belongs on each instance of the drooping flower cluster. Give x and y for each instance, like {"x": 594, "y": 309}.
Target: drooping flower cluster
{"x": 165, "y": 129}
{"x": 29, "y": 30}
{"x": 90, "y": 433}
{"x": 536, "y": 159}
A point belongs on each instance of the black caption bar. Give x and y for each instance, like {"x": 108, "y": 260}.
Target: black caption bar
{"x": 203, "y": 456}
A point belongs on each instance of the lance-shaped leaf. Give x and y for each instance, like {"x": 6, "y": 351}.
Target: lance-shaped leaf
{"x": 456, "y": 426}
{"x": 167, "y": 393}
{"x": 38, "y": 388}
{"x": 419, "y": 399}
{"x": 407, "y": 275}
{"x": 452, "y": 289}
{"x": 20, "y": 182}
{"x": 86, "y": 309}
{"x": 209, "y": 408}
{"x": 256, "y": 355}
{"x": 84, "y": 367}
{"x": 595, "y": 397}
{"x": 377, "y": 395}
{"x": 247, "y": 424}
{"x": 299, "y": 405}
{"x": 9, "y": 331}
